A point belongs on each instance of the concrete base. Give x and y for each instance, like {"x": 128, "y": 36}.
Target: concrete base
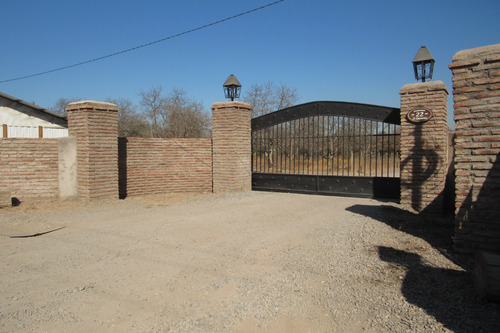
{"x": 68, "y": 183}
{"x": 5, "y": 199}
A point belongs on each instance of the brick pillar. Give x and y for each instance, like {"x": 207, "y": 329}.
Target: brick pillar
{"x": 424, "y": 147}
{"x": 476, "y": 90}
{"x": 231, "y": 146}
{"x": 95, "y": 125}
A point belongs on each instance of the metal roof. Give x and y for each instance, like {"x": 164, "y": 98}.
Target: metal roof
{"x": 232, "y": 81}
{"x": 32, "y": 106}
{"x": 422, "y": 55}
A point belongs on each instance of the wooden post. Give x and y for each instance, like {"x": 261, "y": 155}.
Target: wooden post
{"x": 40, "y": 131}
{"x": 5, "y": 134}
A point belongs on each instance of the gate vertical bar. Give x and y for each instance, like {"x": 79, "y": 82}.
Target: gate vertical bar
{"x": 340, "y": 147}
{"x": 299, "y": 146}
{"x": 308, "y": 144}
{"x": 292, "y": 157}
{"x": 318, "y": 155}
{"x": 282, "y": 150}
{"x": 384, "y": 149}
{"x": 359, "y": 147}
{"x": 349, "y": 148}
{"x": 343, "y": 144}
{"x": 394, "y": 150}
{"x": 263, "y": 152}
{"x": 252, "y": 142}
{"x": 364, "y": 164}
{"x": 376, "y": 149}
{"x": 370, "y": 144}
{"x": 268, "y": 149}
{"x": 323, "y": 147}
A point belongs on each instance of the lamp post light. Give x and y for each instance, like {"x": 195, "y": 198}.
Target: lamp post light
{"x": 232, "y": 87}
{"x": 423, "y": 64}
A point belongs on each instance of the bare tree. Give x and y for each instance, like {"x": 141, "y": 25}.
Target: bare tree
{"x": 60, "y": 106}
{"x": 266, "y": 98}
{"x": 131, "y": 123}
{"x": 174, "y": 115}
{"x": 186, "y": 118}
{"x": 285, "y": 96}
{"x": 260, "y": 98}
{"x": 152, "y": 103}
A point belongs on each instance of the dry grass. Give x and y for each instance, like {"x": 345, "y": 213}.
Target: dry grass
{"x": 334, "y": 167}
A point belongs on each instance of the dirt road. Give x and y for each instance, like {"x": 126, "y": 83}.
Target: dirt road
{"x": 248, "y": 262}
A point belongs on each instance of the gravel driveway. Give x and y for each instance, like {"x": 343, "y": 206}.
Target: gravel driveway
{"x": 247, "y": 262}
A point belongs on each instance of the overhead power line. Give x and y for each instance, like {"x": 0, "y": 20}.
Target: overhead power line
{"x": 144, "y": 45}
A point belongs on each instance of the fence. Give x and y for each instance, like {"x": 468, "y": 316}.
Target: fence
{"x": 8, "y": 131}
{"x": 94, "y": 163}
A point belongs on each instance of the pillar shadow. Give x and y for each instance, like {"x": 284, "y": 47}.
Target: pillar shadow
{"x": 415, "y": 161}
{"x": 437, "y": 232}
{"x": 122, "y": 168}
{"x": 477, "y": 222}
{"x": 445, "y": 294}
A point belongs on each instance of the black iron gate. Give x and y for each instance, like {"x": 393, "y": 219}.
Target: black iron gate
{"x": 334, "y": 148}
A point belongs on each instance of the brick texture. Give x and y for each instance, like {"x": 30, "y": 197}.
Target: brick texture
{"x": 154, "y": 166}
{"x": 108, "y": 167}
{"x": 232, "y": 151}
{"x": 424, "y": 148}
{"x": 476, "y": 90}
{"x": 29, "y": 167}
{"x": 95, "y": 125}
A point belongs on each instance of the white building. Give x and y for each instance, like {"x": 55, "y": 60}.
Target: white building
{"x": 19, "y": 119}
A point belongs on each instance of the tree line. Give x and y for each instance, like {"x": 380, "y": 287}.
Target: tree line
{"x": 173, "y": 114}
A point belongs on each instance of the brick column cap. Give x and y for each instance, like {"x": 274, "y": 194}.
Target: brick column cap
{"x": 423, "y": 87}
{"x": 92, "y": 105}
{"x": 231, "y": 105}
{"x": 471, "y": 57}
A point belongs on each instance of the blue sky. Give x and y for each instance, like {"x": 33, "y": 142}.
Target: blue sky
{"x": 357, "y": 51}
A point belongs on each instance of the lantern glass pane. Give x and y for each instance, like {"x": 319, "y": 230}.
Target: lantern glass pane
{"x": 427, "y": 71}
{"x": 419, "y": 71}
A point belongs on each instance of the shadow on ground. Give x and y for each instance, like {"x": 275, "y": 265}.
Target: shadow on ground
{"x": 446, "y": 294}
{"x": 438, "y": 233}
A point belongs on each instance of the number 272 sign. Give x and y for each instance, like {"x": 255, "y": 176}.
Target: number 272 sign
{"x": 420, "y": 115}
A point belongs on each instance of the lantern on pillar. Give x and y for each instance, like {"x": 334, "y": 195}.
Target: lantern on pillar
{"x": 232, "y": 87}
{"x": 423, "y": 65}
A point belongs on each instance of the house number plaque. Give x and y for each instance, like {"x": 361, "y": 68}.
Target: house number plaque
{"x": 419, "y": 115}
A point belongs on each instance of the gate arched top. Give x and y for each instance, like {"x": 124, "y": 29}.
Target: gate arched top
{"x": 328, "y": 108}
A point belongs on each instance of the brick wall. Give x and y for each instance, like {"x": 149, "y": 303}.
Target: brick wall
{"x": 152, "y": 166}
{"x": 108, "y": 167}
{"x": 29, "y": 167}
{"x": 232, "y": 150}
{"x": 424, "y": 148}
{"x": 476, "y": 90}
